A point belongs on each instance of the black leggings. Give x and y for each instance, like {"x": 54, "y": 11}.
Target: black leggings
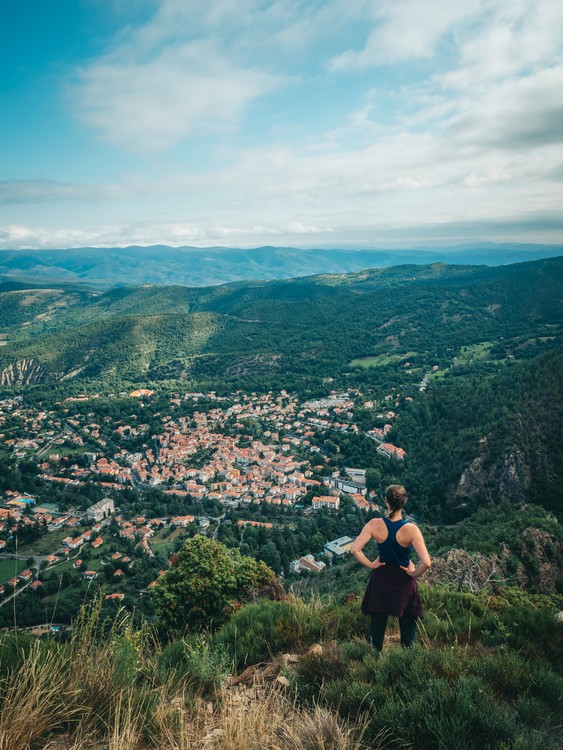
{"x": 407, "y": 625}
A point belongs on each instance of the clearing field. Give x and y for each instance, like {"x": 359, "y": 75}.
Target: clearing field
{"x": 380, "y": 360}
{"x": 10, "y": 568}
{"x": 163, "y": 544}
{"x": 474, "y": 352}
{"x": 48, "y": 544}
{"x": 64, "y": 450}
{"x": 56, "y": 570}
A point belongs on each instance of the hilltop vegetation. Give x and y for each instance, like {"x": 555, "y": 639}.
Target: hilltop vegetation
{"x": 485, "y": 674}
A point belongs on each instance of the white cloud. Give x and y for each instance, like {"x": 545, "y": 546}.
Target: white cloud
{"x": 154, "y": 104}
{"x": 407, "y": 30}
{"x": 522, "y": 113}
{"x": 476, "y": 138}
{"x": 193, "y": 68}
{"x": 518, "y": 38}
{"x": 17, "y": 237}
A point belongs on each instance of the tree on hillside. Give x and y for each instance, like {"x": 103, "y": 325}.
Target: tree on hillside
{"x": 205, "y": 581}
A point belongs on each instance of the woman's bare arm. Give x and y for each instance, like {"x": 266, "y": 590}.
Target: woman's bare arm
{"x": 356, "y": 550}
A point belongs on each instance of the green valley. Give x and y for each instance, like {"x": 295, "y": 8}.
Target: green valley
{"x": 256, "y": 425}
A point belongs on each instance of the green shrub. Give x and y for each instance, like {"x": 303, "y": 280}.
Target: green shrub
{"x": 259, "y": 631}
{"x": 206, "y": 580}
{"x": 345, "y": 621}
{"x": 420, "y": 709}
{"x": 171, "y": 659}
{"x": 512, "y": 678}
{"x": 452, "y": 617}
{"x": 200, "y": 664}
{"x": 533, "y": 632}
{"x": 315, "y": 669}
{"x": 456, "y": 697}
{"x": 357, "y": 650}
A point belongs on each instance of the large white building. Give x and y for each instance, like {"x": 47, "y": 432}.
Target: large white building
{"x": 326, "y": 501}
{"x": 339, "y": 546}
{"x": 347, "y": 486}
{"x": 356, "y": 475}
{"x": 101, "y": 510}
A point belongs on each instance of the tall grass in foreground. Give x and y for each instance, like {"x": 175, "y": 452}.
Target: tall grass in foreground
{"x": 474, "y": 681}
{"x": 37, "y": 698}
{"x": 114, "y": 688}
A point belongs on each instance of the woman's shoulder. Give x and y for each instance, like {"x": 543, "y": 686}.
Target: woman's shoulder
{"x": 377, "y": 527}
{"x": 410, "y": 529}
{"x": 376, "y": 523}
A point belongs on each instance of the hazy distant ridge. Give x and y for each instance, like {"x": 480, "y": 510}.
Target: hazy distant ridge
{"x": 192, "y": 266}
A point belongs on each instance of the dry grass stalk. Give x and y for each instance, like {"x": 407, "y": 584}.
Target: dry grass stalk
{"x": 82, "y": 739}
{"x": 174, "y": 727}
{"x": 272, "y": 721}
{"x": 124, "y": 730}
{"x": 322, "y": 729}
{"x": 276, "y": 723}
{"x": 38, "y": 698}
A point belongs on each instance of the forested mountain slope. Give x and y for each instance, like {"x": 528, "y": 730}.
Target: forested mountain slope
{"x": 317, "y": 325}
{"x": 484, "y": 436}
{"x": 485, "y": 342}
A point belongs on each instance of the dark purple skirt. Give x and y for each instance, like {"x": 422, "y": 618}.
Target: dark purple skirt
{"x": 391, "y": 591}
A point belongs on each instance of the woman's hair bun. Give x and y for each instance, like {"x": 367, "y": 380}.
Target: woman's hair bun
{"x": 396, "y": 496}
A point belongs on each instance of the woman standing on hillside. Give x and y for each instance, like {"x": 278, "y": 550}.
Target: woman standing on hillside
{"x": 392, "y": 588}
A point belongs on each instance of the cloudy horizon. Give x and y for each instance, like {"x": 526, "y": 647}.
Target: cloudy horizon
{"x": 311, "y": 124}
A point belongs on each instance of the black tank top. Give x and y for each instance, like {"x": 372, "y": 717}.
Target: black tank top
{"x": 390, "y": 551}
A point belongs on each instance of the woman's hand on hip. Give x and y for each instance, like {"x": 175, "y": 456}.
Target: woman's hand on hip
{"x": 377, "y": 564}
{"x": 409, "y": 569}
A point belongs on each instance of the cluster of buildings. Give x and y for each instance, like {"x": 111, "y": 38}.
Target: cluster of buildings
{"x": 244, "y": 449}
{"x": 16, "y": 513}
{"x": 259, "y": 469}
{"x": 335, "y": 548}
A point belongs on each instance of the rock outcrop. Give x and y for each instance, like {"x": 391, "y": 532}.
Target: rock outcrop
{"x": 535, "y": 566}
{"x": 23, "y": 372}
{"x": 465, "y": 571}
{"x": 540, "y": 557}
{"x": 506, "y": 478}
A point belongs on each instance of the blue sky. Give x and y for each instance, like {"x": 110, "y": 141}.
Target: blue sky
{"x": 306, "y": 123}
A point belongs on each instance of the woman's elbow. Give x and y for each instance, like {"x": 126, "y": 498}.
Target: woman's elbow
{"x": 355, "y": 549}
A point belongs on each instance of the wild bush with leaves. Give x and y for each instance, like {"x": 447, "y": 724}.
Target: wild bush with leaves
{"x": 196, "y": 663}
{"x": 437, "y": 697}
{"x": 205, "y": 582}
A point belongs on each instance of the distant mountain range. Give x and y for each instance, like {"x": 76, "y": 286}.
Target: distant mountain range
{"x": 192, "y": 266}
{"x": 291, "y": 328}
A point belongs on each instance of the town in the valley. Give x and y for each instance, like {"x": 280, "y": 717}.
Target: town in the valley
{"x": 235, "y": 466}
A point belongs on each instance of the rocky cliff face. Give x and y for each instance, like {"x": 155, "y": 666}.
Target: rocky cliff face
{"x": 540, "y": 559}
{"x": 23, "y": 372}
{"x": 505, "y": 478}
